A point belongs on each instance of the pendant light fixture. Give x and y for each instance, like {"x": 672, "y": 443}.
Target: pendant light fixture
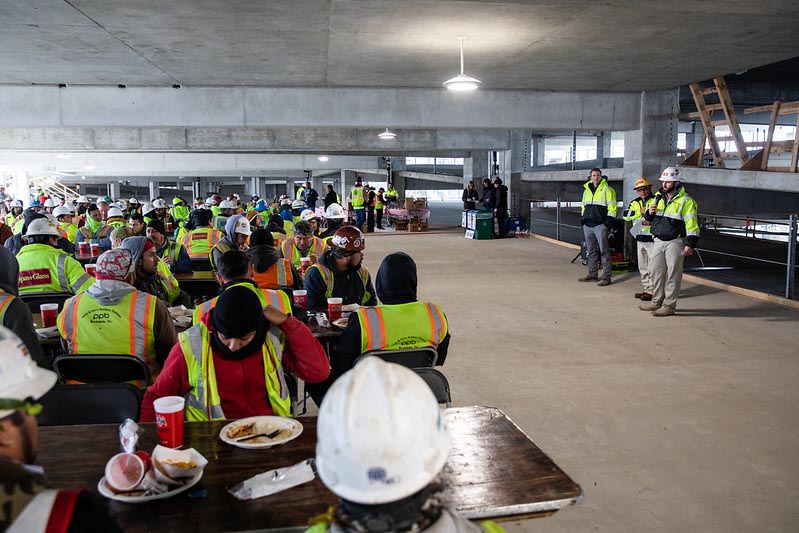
{"x": 387, "y": 135}
{"x": 462, "y": 82}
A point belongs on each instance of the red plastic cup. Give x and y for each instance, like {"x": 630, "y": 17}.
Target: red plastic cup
{"x": 95, "y": 249}
{"x": 169, "y": 420}
{"x": 305, "y": 262}
{"x": 49, "y": 314}
{"x": 83, "y": 248}
{"x": 301, "y": 299}
{"x": 90, "y": 268}
{"x": 169, "y": 226}
{"x": 334, "y": 308}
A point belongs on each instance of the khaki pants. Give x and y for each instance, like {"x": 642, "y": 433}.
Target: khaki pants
{"x": 644, "y": 252}
{"x": 665, "y": 268}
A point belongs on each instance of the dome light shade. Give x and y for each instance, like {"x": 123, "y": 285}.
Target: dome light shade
{"x": 323, "y": 158}
{"x": 387, "y": 135}
{"x": 462, "y": 82}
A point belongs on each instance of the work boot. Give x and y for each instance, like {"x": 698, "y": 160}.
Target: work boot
{"x": 588, "y": 278}
{"x": 645, "y": 297}
{"x": 663, "y": 311}
{"x": 603, "y": 282}
{"x": 649, "y": 307}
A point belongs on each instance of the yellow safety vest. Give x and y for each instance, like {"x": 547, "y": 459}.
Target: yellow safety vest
{"x": 275, "y": 298}
{"x": 357, "y": 198}
{"x": 292, "y": 253}
{"x": 70, "y": 229}
{"x": 101, "y": 233}
{"x": 126, "y": 327}
{"x": 276, "y": 276}
{"x": 635, "y": 211}
{"x": 604, "y": 196}
{"x": 43, "y": 268}
{"x": 200, "y": 241}
{"x": 675, "y": 218}
{"x": 222, "y": 246}
{"x": 327, "y": 276}
{"x": 401, "y": 326}
{"x": 169, "y": 281}
{"x": 202, "y": 401}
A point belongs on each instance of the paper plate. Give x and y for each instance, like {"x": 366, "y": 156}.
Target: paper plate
{"x": 105, "y": 490}
{"x": 48, "y": 333}
{"x": 290, "y": 430}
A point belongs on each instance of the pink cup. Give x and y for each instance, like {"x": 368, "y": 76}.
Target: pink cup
{"x": 334, "y": 308}
{"x": 305, "y": 262}
{"x": 49, "y": 314}
{"x": 83, "y": 248}
{"x": 90, "y": 268}
{"x": 169, "y": 420}
{"x": 95, "y": 249}
{"x": 300, "y": 299}
{"x": 124, "y": 471}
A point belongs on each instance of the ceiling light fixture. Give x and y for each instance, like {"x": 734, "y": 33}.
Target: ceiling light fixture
{"x": 462, "y": 82}
{"x": 387, "y": 135}
{"x": 324, "y": 158}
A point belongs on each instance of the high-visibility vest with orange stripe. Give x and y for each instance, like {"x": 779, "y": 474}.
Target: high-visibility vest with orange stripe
{"x": 200, "y": 241}
{"x": 43, "y": 268}
{"x": 5, "y": 301}
{"x": 125, "y": 327}
{"x": 279, "y": 238}
{"x": 276, "y": 276}
{"x": 402, "y": 326}
{"x": 327, "y": 277}
{"x": 293, "y": 254}
{"x": 277, "y": 299}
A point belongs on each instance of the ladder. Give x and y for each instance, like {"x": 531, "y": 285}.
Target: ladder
{"x": 705, "y": 113}
{"x": 54, "y": 187}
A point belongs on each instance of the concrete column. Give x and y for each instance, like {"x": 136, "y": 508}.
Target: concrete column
{"x": 648, "y": 150}
{"x": 153, "y": 190}
{"x": 537, "y": 148}
{"x": 347, "y": 182}
{"x": 113, "y": 190}
{"x": 603, "y": 147}
{"x": 475, "y": 167}
{"x": 255, "y": 186}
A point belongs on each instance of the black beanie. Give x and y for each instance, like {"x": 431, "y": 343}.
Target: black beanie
{"x": 238, "y": 312}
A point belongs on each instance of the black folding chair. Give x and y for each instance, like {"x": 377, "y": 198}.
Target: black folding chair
{"x": 417, "y": 358}
{"x": 201, "y": 265}
{"x": 438, "y": 383}
{"x": 35, "y": 300}
{"x": 97, "y": 368}
{"x": 96, "y": 403}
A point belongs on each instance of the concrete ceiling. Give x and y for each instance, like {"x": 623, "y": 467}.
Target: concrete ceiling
{"x": 583, "y": 45}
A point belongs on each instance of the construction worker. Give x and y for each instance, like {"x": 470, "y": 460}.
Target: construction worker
{"x": 172, "y": 253}
{"x": 49, "y": 205}
{"x": 334, "y": 219}
{"x": 180, "y": 211}
{"x": 392, "y": 196}
{"x": 213, "y": 203}
{"x": 28, "y": 502}
{"x": 237, "y": 231}
{"x": 358, "y": 199}
{"x": 148, "y": 212}
{"x": 340, "y": 272}
{"x": 231, "y": 364}
{"x": 227, "y": 209}
{"x": 161, "y": 211}
{"x": 300, "y": 192}
{"x": 642, "y": 233}
{"x": 381, "y": 443}
{"x": 14, "y": 313}
{"x": 200, "y": 238}
{"x": 95, "y": 230}
{"x": 270, "y": 271}
{"x": 115, "y": 218}
{"x": 302, "y": 244}
{"x": 43, "y": 267}
{"x": 310, "y": 217}
{"x": 113, "y": 317}
{"x": 103, "y": 204}
{"x": 153, "y": 275}
{"x": 15, "y": 214}
{"x": 67, "y": 229}
{"x": 297, "y": 207}
{"x": 380, "y": 204}
{"x": 133, "y": 206}
{"x": 597, "y": 213}
{"x": 673, "y": 218}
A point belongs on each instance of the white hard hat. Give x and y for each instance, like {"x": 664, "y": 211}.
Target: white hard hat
{"x": 334, "y": 211}
{"x": 17, "y": 203}
{"x": 298, "y": 204}
{"x": 20, "y": 377}
{"x": 133, "y": 201}
{"x": 380, "y": 434}
{"x": 242, "y": 226}
{"x": 285, "y": 201}
{"x": 42, "y": 226}
{"x": 159, "y": 204}
{"x": 49, "y": 203}
{"x": 209, "y": 201}
{"x": 83, "y": 200}
{"x": 670, "y": 174}
{"x": 115, "y": 212}
{"x": 227, "y": 204}
{"x": 61, "y": 210}
{"x": 147, "y": 208}
{"x": 307, "y": 215}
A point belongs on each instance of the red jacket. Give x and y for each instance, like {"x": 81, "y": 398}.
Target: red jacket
{"x": 241, "y": 385}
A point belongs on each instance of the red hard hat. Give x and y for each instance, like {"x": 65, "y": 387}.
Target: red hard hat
{"x": 348, "y": 238}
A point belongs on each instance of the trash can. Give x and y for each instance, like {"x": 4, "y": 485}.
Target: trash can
{"x": 479, "y": 224}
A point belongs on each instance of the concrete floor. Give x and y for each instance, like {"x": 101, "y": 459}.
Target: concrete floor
{"x": 684, "y": 423}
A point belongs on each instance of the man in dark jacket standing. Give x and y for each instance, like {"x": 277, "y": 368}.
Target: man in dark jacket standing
{"x": 596, "y": 215}
{"x": 501, "y": 207}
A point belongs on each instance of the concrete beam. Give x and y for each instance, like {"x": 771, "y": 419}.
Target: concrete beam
{"x": 438, "y": 178}
{"x": 233, "y": 107}
{"x": 261, "y": 140}
{"x": 613, "y": 174}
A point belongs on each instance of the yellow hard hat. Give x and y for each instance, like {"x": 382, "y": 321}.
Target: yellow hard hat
{"x": 640, "y": 183}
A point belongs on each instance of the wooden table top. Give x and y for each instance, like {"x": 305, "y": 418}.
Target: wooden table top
{"x": 494, "y": 471}
{"x": 200, "y": 275}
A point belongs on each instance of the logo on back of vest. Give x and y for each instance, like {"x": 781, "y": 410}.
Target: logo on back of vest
{"x": 199, "y": 236}
{"x": 34, "y": 277}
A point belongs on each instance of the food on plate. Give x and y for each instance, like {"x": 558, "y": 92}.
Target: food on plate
{"x": 242, "y": 430}
{"x": 177, "y": 463}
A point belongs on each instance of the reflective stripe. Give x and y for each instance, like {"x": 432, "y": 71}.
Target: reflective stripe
{"x": 62, "y": 275}
{"x": 375, "y": 328}
{"x": 141, "y": 306}
{"x": 283, "y": 271}
{"x": 192, "y": 342}
{"x": 69, "y": 319}
{"x": 437, "y": 323}
{"x": 5, "y": 301}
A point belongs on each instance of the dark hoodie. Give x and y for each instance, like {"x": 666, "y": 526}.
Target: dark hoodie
{"x": 17, "y": 316}
{"x": 395, "y": 284}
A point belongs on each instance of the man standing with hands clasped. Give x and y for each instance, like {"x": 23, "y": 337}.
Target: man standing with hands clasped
{"x": 596, "y": 215}
{"x": 673, "y": 218}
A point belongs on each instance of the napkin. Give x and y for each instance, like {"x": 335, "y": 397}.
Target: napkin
{"x": 275, "y": 481}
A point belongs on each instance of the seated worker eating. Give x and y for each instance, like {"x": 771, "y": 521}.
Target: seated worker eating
{"x": 232, "y": 364}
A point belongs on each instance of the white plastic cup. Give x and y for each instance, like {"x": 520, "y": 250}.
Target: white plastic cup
{"x": 124, "y": 471}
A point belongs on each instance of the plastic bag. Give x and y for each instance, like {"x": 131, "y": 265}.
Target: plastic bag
{"x": 275, "y": 481}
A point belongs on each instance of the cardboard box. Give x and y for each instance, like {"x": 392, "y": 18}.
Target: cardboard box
{"x": 420, "y": 204}
{"x": 413, "y": 227}
{"x": 409, "y": 204}
{"x": 402, "y": 225}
